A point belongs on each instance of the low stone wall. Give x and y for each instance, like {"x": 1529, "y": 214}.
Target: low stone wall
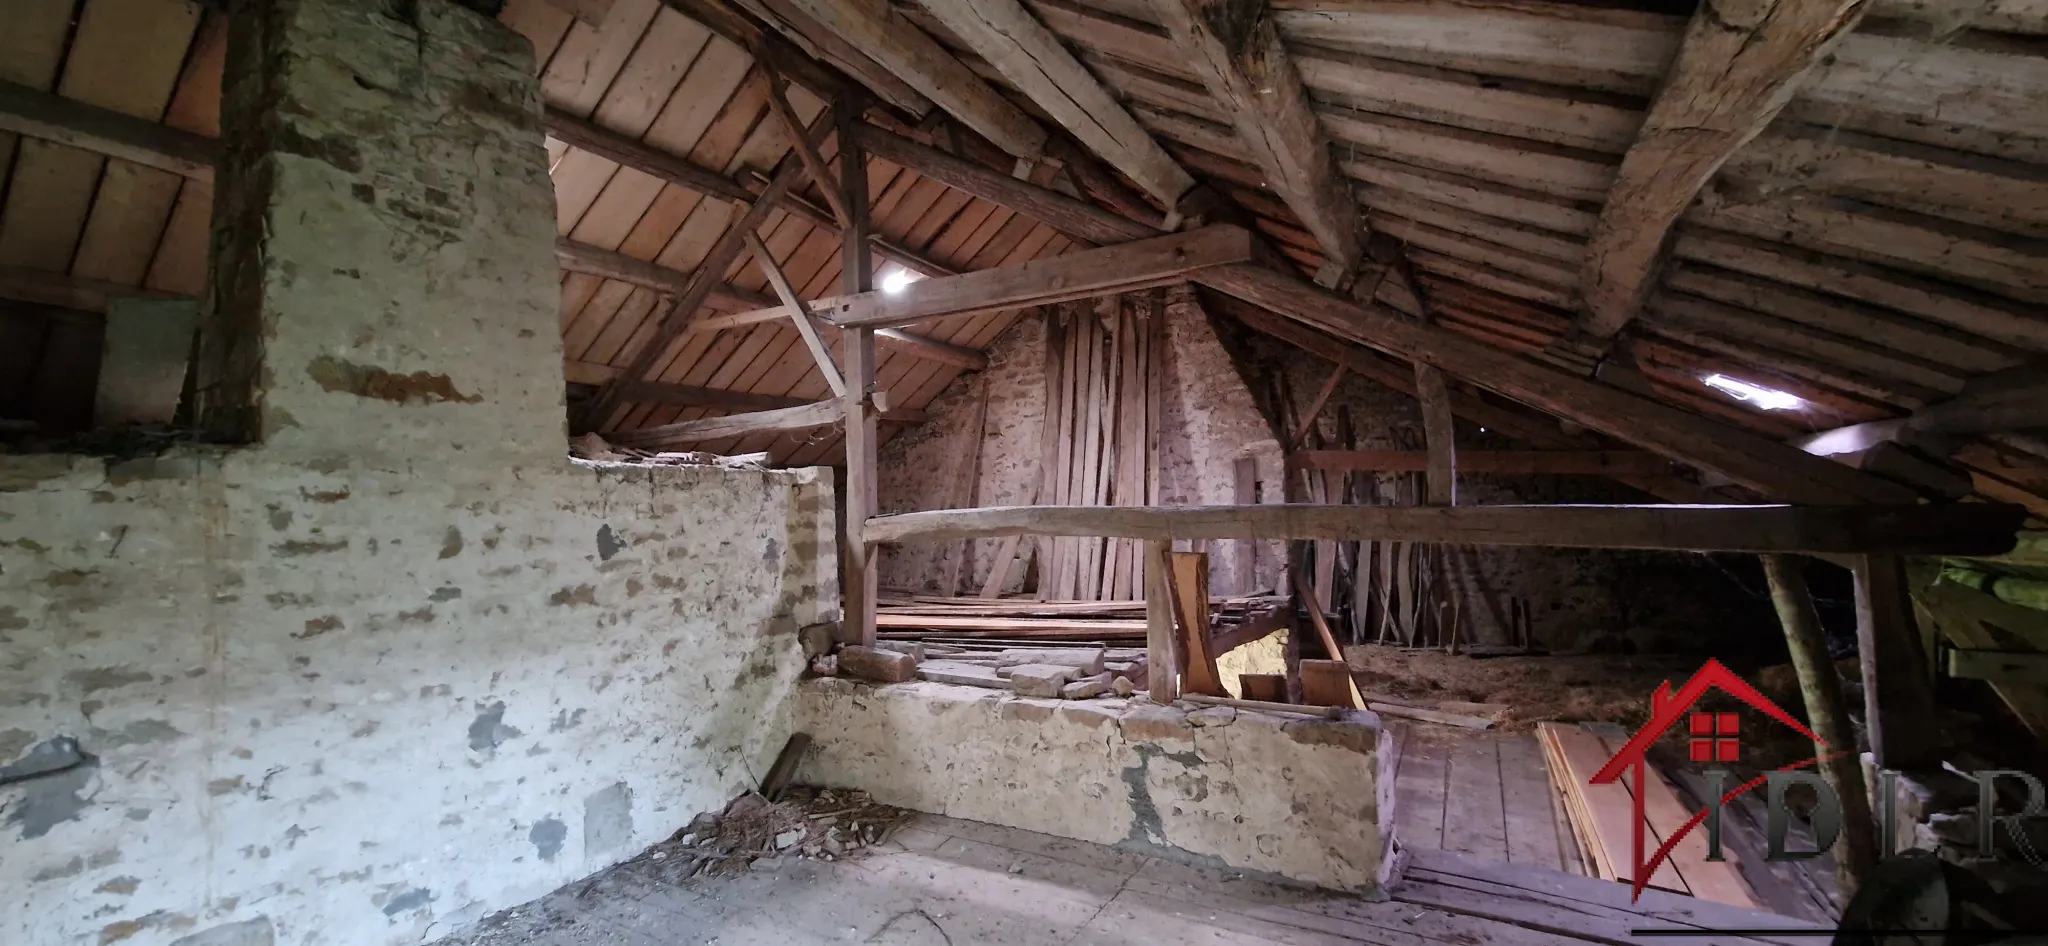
{"x": 1286, "y": 796}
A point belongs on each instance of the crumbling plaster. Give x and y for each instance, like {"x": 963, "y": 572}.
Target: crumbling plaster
{"x": 1287, "y": 796}
{"x": 400, "y": 663}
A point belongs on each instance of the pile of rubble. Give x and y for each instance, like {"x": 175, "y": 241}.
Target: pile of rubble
{"x": 820, "y": 823}
{"x": 596, "y": 449}
{"x": 1072, "y": 673}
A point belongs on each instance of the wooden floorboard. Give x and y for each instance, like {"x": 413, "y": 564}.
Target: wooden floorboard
{"x": 1419, "y": 791}
{"x": 1475, "y": 820}
{"x": 1526, "y": 797}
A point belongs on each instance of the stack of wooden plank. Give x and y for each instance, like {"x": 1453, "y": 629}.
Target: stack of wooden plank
{"x": 1602, "y": 817}
{"x": 1100, "y": 442}
{"x": 1025, "y": 619}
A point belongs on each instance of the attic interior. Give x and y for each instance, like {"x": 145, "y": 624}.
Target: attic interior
{"x": 1015, "y": 471}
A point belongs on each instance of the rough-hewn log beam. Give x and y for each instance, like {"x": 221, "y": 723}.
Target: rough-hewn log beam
{"x": 1076, "y": 218}
{"x": 1236, "y": 49}
{"x": 38, "y": 114}
{"x": 924, "y": 65}
{"x": 1774, "y": 469}
{"x": 1498, "y": 462}
{"x": 2015, "y": 399}
{"x": 1959, "y": 529}
{"x": 1034, "y": 60}
{"x": 1737, "y": 68}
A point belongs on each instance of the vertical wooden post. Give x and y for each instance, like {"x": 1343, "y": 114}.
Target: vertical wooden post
{"x": 862, "y": 498}
{"x": 1437, "y": 429}
{"x": 1898, "y": 689}
{"x": 1828, "y": 715}
{"x": 1159, "y": 658}
{"x": 1245, "y": 492}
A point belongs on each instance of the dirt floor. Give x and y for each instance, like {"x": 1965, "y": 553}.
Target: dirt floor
{"x": 1608, "y": 688}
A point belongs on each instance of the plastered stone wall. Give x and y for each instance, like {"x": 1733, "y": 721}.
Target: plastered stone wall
{"x": 1286, "y": 796}
{"x": 401, "y": 663}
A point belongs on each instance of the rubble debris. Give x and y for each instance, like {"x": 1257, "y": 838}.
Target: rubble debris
{"x": 1040, "y": 679}
{"x": 960, "y": 673}
{"x": 1084, "y": 689}
{"x": 755, "y": 833}
{"x": 880, "y": 666}
{"x": 595, "y": 449}
{"x": 825, "y": 666}
{"x": 818, "y": 639}
{"x": 1122, "y": 686}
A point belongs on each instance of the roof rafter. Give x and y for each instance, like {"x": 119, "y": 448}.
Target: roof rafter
{"x": 1737, "y": 68}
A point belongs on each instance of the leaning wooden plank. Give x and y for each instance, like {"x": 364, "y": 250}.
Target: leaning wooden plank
{"x": 799, "y": 313}
{"x": 1736, "y": 69}
{"x": 1763, "y": 464}
{"x": 1328, "y": 683}
{"x": 1951, "y": 529}
{"x": 1188, "y": 580}
{"x": 1268, "y": 706}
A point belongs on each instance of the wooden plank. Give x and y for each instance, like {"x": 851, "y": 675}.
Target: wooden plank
{"x": 1952, "y": 529}
{"x": 1735, "y": 70}
{"x": 799, "y": 313}
{"x": 1710, "y": 880}
{"x": 967, "y": 469}
{"x": 778, "y": 103}
{"x": 805, "y": 417}
{"x": 580, "y": 258}
{"x": 1236, "y": 49}
{"x": 1898, "y": 686}
{"x": 1188, "y": 580}
{"x": 1475, "y": 816}
{"x": 1033, "y": 59}
{"x": 684, "y": 395}
{"x": 1528, "y": 817}
{"x": 1609, "y": 806}
{"x": 1077, "y": 218}
{"x": 1328, "y": 683}
{"x": 2009, "y": 667}
{"x": 1244, "y": 492}
{"x": 1751, "y": 460}
{"x": 1421, "y": 789}
{"x": 1159, "y": 651}
{"x": 640, "y": 156}
{"x": 42, "y": 115}
{"x": 1088, "y": 273}
{"x": 893, "y": 41}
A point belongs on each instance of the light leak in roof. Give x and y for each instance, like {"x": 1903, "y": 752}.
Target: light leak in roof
{"x": 896, "y": 278}
{"x": 1769, "y": 399}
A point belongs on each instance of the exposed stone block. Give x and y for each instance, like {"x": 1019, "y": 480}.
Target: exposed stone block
{"x": 1040, "y": 679}
{"x": 818, "y": 639}
{"x": 1213, "y": 716}
{"x": 1152, "y": 723}
{"x": 881, "y": 666}
{"x": 1084, "y": 689}
{"x": 1028, "y": 710}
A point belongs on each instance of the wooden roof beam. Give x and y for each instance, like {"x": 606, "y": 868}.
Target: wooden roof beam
{"x": 1498, "y": 462}
{"x": 1019, "y": 47}
{"x": 594, "y": 261}
{"x": 1738, "y": 66}
{"x": 1953, "y": 529}
{"x": 895, "y": 42}
{"x": 776, "y": 420}
{"x": 1235, "y": 47}
{"x": 39, "y": 114}
{"x": 1774, "y": 469}
{"x": 1076, "y": 218}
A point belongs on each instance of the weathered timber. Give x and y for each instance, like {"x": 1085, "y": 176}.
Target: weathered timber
{"x": 1235, "y": 48}
{"x": 1954, "y": 529}
{"x": 801, "y": 417}
{"x": 1138, "y": 264}
{"x": 1498, "y": 462}
{"x": 799, "y": 312}
{"x": 590, "y": 260}
{"x": 611, "y": 145}
{"x": 924, "y": 65}
{"x": 1828, "y": 715}
{"x": 860, "y": 579}
{"x": 1898, "y": 685}
{"x": 1773, "y": 468}
{"x": 1736, "y": 69}
{"x": 1005, "y": 34}
{"x": 45, "y": 115}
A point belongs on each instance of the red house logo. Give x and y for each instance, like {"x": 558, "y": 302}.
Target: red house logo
{"x": 1714, "y": 737}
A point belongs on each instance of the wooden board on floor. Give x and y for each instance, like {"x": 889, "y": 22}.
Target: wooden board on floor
{"x": 1419, "y": 784}
{"x": 1525, "y": 799}
{"x": 1608, "y": 809}
{"x": 1475, "y": 820}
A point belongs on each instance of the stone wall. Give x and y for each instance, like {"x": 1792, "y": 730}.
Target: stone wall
{"x": 1290, "y": 797}
{"x": 400, "y": 663}
{"x": 1577, "y": 599}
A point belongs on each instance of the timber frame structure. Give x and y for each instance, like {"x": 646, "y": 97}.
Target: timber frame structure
{"x": 1557, "y": 220}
